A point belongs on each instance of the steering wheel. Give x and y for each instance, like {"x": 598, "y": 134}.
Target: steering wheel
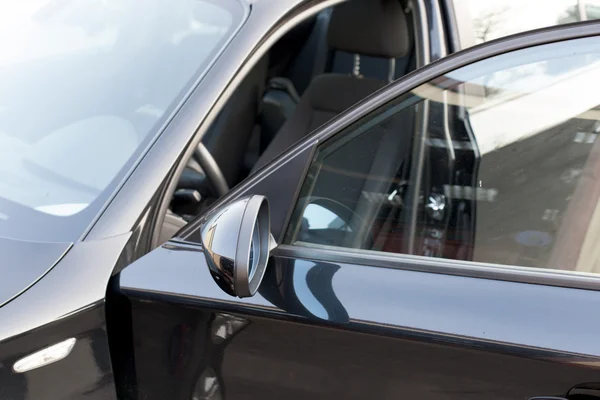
{"x": 211, "y": 169}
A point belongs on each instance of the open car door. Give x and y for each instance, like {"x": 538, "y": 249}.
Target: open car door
{"x": 396, "y": 252}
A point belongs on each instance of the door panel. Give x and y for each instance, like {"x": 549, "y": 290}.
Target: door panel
{"x": 321, "y": 329}
{"x": 348, "y": 319}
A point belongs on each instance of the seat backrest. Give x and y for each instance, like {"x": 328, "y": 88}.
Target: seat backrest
{"x": 376, "y": 28}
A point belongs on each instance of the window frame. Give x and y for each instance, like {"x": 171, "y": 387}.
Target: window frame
{"x": 307, "y": 9}
{"x": 300, "y": 156}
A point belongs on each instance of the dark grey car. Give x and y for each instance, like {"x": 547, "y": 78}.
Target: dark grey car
{"x": 299, "y": 199}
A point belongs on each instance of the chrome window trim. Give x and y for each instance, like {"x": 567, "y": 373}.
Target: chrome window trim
{"x": 470, "y": 269}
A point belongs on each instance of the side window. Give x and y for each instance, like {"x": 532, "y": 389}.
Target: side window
{"x": 508, "y": 175}
{"x": 485, "y": 20}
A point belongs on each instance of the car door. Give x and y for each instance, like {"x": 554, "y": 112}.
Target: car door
{"x": 413, "y": 255}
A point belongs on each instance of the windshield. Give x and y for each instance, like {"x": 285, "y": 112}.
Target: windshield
{"x": 84, "y": 85}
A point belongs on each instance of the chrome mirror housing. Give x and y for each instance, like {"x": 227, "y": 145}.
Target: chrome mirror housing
{"x": 236, "y": 240}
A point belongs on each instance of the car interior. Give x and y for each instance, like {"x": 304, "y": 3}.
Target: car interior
{"x": 317, "y": 70}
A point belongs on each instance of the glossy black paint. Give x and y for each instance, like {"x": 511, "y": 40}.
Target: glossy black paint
{"x": 67, "y": 302}
{"x": 85, "y": 373}
{"x": 322, "y": 329}
{"x": 382, "y": 328}
{"x": 299, "y": 361}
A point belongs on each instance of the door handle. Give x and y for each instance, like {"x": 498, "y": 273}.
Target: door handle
{"x": 547, "y": 398}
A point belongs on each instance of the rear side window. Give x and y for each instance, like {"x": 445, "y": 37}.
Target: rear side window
{"x": 509, "y": 174}
{"x": 484, "y": 20}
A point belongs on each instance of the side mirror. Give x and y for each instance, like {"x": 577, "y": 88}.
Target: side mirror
{"x": 236, "y": 239}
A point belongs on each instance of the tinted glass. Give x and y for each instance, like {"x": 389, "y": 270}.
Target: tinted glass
{"x": 507, "y": 173}
{"x": 490, "y": 19}
{"x": 84, "y": 86}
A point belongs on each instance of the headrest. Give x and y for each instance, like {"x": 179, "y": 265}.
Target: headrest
{"x": 369, "y": 27}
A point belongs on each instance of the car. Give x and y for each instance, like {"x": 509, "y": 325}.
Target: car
{"x": 320, "y": 199}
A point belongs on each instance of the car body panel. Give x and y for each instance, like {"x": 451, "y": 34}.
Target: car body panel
{"x": 409, "y": 300}
{"x": 25, "y": 263}
{"x": 273, "y": 358}
{"x": 359, "y": 324}
{"x": 385, "y": 331}
{"x": 84, "y": 374}
{"x": 83, "y": 268}
{"x": 67, "y": 302}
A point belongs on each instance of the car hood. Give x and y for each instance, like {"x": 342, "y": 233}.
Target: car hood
{"x": 24, "y": 263}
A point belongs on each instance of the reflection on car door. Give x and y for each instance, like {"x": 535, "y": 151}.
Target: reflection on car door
{"x": 418, "y": 260}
